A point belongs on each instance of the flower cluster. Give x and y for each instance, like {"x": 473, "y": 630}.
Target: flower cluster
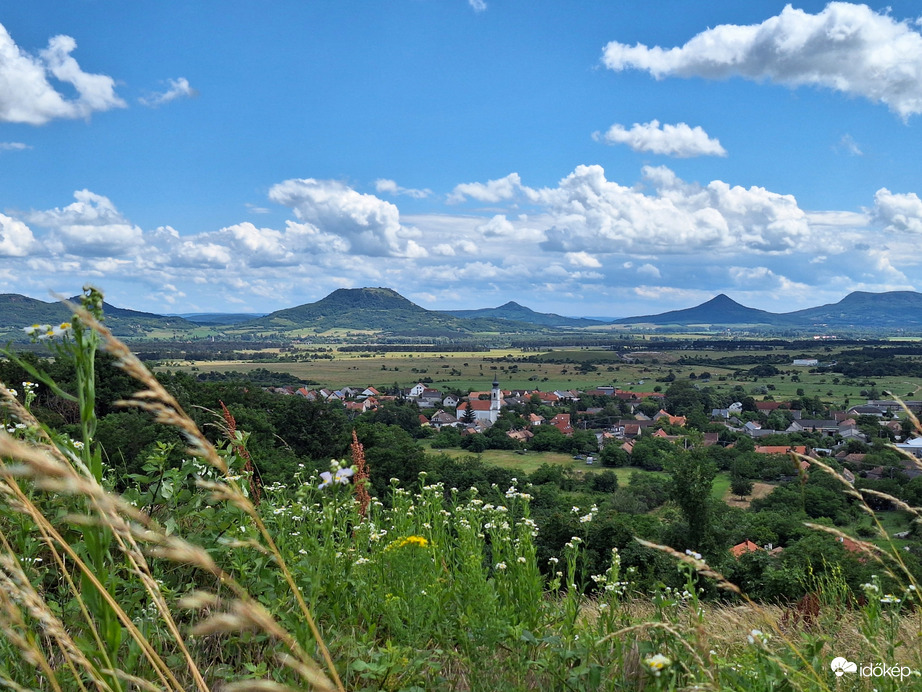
{"x": 338, "y": 473}
{"x": 415, "y": 541}
{"x": 43, "y": 332}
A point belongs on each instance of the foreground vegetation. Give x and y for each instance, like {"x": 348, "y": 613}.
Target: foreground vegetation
{"x": 181, "y": 570}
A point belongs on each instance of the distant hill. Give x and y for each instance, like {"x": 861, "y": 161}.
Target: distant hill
{"x": 17, "y": 311}
{"x": 718, "y": 310}
{"x": 858, "y": 310}
{"x": 520, "y": 313}
{"x": 893, "y": 309}
{"x": 377, "y": 309}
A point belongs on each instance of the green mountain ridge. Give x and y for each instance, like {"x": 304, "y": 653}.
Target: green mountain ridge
{"x": 18, "y": 311}
{"x": 857, "y": 310}
{"x": 378, "y": 309}
{"x": 517, "y": 312}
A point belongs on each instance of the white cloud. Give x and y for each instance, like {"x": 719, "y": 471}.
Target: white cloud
{"x": 27, "y": 96}
{"x": 90, "y": 226}
{"x": 582, "y": 259}
{"x": 593, "y": 214}
{"x": 492, "y": 191}
{"x": 16, "y": 239}
{"x": 846, "y": 47}
{"x": 648, "y": 270}
{"x": 390, "y": 187}
{"x": 13, "y": 146}
{"x": 679, "y": 140}
{"x": 849, "y": 146}
{"x": 477, "y": 5}
{"x": 368, "y": 224}
{"x": 898, "y": 212}
{"x": 177, "y": 88}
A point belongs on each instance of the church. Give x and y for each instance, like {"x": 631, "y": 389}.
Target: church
{"x": 484, "y": 409}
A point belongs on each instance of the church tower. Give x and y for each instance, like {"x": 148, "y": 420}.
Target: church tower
{"x": 495, "y": 399}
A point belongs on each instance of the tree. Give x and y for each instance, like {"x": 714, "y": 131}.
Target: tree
{"x": 740, "y": 485}
{"x": 692, "y": 480}
{"x": 468, "y": 416}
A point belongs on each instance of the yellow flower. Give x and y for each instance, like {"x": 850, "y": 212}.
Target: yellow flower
{"x": 418, "y": 541}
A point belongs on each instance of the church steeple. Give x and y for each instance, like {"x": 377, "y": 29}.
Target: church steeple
{"x": 495, "y": 400}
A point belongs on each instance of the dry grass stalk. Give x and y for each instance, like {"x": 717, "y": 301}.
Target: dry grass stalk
{"x": 167, "y": 410}
{"x": 360, "y": 481}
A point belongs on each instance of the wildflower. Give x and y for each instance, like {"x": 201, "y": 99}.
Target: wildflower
{"x": 78, "y": 445}
{"x": 342, "y": 477}
{"x": 757, "y": 636}
{"x": 62, "y": 330}
{"x": 500, "y": 565}
{"x": 553, "y": 560}
{"x": 362, "y": 561}
{"x": 889, "y": 598}
{"x": 657, "y": 663}
{"x": 692, "y": 554}
{"x": 522, "y": 559}
{"x": 585, "y": 519}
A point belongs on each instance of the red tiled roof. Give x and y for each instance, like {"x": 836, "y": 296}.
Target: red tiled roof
{"x": 744, "y": 547}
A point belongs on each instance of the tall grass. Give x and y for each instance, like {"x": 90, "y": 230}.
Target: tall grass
{"x": 196, "y": 578}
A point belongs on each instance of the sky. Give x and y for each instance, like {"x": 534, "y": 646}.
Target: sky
{"x": 589, "y": 158}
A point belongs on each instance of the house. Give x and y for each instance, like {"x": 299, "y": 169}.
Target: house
{"x": 440, "y": 419}
{"x": 806, "y": 362}
{"x": 741, "y": 549}
{"x": 451, "y": 401}
{"x": 523, "y": 435}
{"x": 664, "y": 417}
{"x": 867, "y": 410}
{"x": 912, "y": 447}
{"x": 416, "y": 390}
{"x": 562, "y": 422}
{"x": 535, "y": 419}
{"x": 827, "y": 427}
{"x": 429, "y": 398}
{"x": 769, "y": 406}
{"x": 370, "y": 391}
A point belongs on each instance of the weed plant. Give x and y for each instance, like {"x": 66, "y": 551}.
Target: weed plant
{"x": 197, "y": 578}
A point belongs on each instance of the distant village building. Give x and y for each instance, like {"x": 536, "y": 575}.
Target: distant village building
{"x": 484, "y": 410}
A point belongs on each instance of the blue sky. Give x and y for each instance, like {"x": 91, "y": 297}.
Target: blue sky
{"x": 590, "y": 158}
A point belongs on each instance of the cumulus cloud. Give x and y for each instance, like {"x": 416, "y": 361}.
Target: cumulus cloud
{"x": 368, "y": 224}
{"x": 90, "y": 226}
{"x": 679, "y": 140}
{"x": 898, "y": 212}
{"x": 26, "y": 94}
{"x": 390, "y": 187}
{"x": 176, "y": 88}
{"x": 16, "y": 239}
{"x": 846, "y": 47}
{"x": 593, "y": 214}
{"x": 492, "y": 191}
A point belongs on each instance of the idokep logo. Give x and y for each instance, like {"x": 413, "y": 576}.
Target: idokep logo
{"x": 840, "y": 666}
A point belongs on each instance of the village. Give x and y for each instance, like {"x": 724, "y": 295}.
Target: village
{"x": 643, "y": 414}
